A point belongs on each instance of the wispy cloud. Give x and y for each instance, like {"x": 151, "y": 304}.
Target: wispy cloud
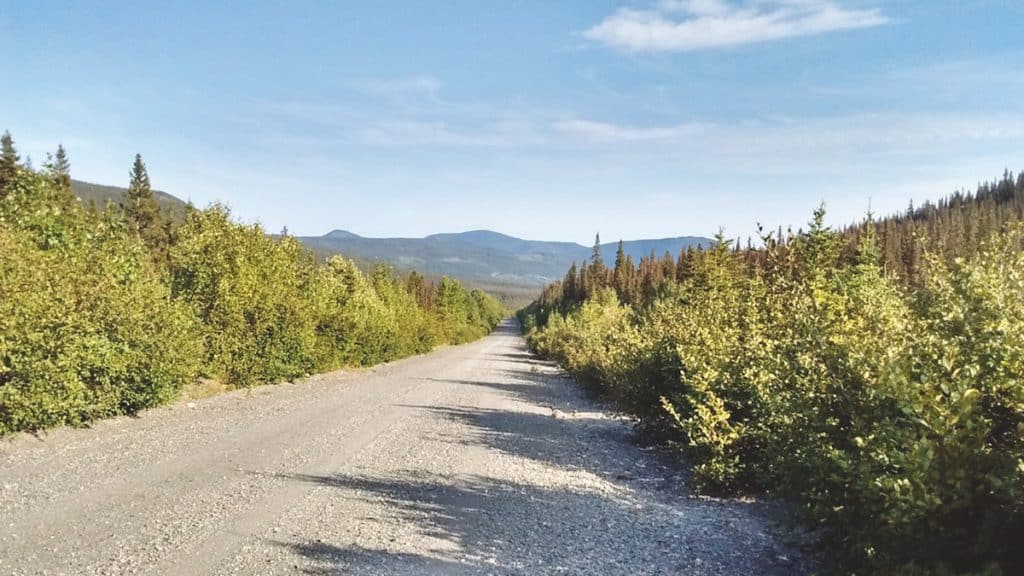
{"x": 416, "y": 133}
{"x": 687, "y": 25}
{"x": 796, "y": 145}
{"x": 422, "y": 85}
{"x": 592, "y": 131}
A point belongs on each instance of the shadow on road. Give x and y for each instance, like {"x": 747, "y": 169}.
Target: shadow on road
{"x": 488, "y": 526}
{"x": 623, "y": 512}
{"x": 331, "y": 559}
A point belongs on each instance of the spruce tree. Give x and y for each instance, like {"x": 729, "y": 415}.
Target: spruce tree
{"x": 620, "y": 276}
{"x": 8, "y": 161}
{"x": 570, "y": 289}
{"x": 62, "y": 169}
{"x": 139, "y": 205}
{"x": 630, "y": 297}
{"x": 142, "y": 212}
{"x": 684, "y": 265}
{"x": 620, "y": 256}
{"x": 598, "y": 271}
{"x": 419, "y": 289}
{"x": 668, "y": 266}
{"x": 58, "y": 170}
{"x": 583, "y": 286}
{"x": 867, "y": 247}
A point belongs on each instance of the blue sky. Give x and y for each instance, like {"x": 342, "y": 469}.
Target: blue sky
{"x": 547, "y": 120}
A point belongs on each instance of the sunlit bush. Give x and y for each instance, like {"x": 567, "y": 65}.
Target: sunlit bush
{"x": 893, "y": 413}
{"x": 96, "y": 320}
{"x": 87, "y": 328}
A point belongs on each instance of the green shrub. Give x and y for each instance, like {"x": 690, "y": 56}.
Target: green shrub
{"x": 894, "y": 413}
{"x": 250, "y": 293}
{"x": 87, "y": 328}
{"x": 109, "y": 312}
{"x": 95, "y": 322}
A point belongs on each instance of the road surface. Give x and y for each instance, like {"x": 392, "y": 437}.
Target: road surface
{"x": 475, "y": 459}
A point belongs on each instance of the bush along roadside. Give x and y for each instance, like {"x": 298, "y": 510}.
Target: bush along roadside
{"x": 891, "y": 409}
{"x": 107, "y": 311}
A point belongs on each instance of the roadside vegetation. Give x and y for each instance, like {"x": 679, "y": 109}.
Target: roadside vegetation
{"x": 111, "y": 309}
{"x": 875, "y": 375}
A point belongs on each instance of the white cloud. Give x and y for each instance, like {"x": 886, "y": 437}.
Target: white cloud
{"x": 422, "y": 133}
{"x": 687, "y": 25}
{"x": 420, "y": 85}
{"x": 788, "y": 146}
{"x": 605, "y": 132}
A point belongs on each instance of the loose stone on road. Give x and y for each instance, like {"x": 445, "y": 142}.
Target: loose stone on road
{"x": 476, "y": 459}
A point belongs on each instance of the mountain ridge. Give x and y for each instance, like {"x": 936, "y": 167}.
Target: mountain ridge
{"x": 101, "y": 194}
{"x": 487, "y": 255}
{"x": 342, "y": 233}
{"x": 478, "y": 257}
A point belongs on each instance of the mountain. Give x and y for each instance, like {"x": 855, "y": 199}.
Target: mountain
{"x": 485, "y": 256}
{"x": 87, "y": 191}
{"x": 481, "y": 258}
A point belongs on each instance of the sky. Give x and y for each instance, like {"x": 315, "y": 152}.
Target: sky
{"x": 544, "y": 120}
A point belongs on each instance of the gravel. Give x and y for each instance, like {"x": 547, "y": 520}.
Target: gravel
{"x": 476, "y": 459}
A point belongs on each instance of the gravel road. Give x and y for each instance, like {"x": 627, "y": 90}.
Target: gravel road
{"x": 476, "y": 459}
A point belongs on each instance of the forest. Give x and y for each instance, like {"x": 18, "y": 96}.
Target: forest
{"x": 872, "y": 375}
{"x": 108, "y": 310}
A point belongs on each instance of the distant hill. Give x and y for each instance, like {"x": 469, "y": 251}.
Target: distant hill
{"x": 101, "y": 194}
{"x": 510, "y": 267}
{"x": 483, "y": 256}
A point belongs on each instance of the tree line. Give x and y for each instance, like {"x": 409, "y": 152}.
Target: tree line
{"x": 108, "y": 310}
{"x": 873, "y": 374}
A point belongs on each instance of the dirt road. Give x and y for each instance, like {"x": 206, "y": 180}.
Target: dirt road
{"x": 475, "y": 459}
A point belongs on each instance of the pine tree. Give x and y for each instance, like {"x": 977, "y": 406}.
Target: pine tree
{"x": 596, "y": 261}
{"x": 598, "y": 271}
{"x": 630, "y": 287}
{"x": 583, "y": 286}
{"x": 8, "y": 161}
{"x": 139, "y": 204}
{"x": 620, "y": 255}
{"x": 621, "y": 275}
{"x": 668, "y": 266}
{"x": 570, "y": 288}
{"x": 143, "y": 212}
{"x": 423, "y": 292}
{"x": 58, "y": 170}
{"x": 867, "y": 247}
{"x": 684, "y": 265}
{"x": 62, "y": 169}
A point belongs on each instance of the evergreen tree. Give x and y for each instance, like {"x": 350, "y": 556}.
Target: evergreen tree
{"x": 583, "y": 286}
{"x": 61, "y": 169}
{"x": 867, "y": 247}
{"x": 684, "y": 266}
{"x": 598, "y": 271}
{"x": 622, "y": 274}
{"x": 595, "y": 257}
{"x": 570, "y": 288}
{"x": 139, "y": 205}
{"x": 58, "y": 170}
{"x": 143, "y": 212}
{"x": 419, "y": 289}
{"x": 8, "y": 161}
{"x": 668, "y": 266}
